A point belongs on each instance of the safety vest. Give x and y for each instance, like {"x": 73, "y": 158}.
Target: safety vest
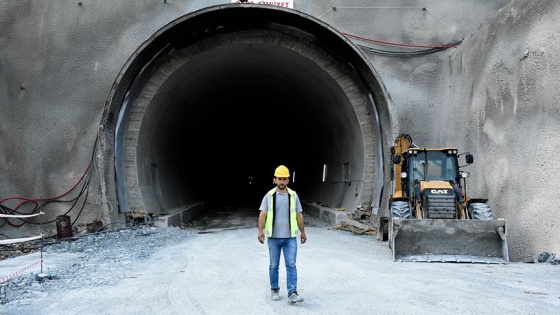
{"x": 270, "y": 215}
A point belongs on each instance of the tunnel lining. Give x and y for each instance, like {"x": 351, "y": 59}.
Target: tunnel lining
{"x": 137, "y": 196}
{"x": 122, "y": 87}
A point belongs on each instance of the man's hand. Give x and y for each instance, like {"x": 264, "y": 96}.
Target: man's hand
{"x": 303, "y": 238}
{"x": 262, "y": 220}
{"x": 301, "y": 227}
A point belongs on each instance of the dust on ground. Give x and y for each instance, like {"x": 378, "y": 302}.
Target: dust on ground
{"x": 179, "y": 270}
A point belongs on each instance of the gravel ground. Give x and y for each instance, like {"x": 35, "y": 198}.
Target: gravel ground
{"x": 98, "y": 257}
{"x": 94, "y": 259}
{"x": 147, "y": 270}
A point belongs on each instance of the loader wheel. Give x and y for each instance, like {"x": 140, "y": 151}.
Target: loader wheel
{"x": 400, "y": 210}
{"x": 390, "y": 234}
{"x": 480, "y": 211}
{"x": 383, "y": 230}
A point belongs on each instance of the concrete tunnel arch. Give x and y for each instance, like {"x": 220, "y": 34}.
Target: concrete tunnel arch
{"x": 205, "y": 109}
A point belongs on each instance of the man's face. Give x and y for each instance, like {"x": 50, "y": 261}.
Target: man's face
{"x": 281, "y": 182}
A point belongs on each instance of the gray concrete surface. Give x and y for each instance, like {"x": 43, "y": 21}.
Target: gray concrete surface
{"x": 224, "y": 270}
{"x": 495, "y": 96}
{"x": 507, "y": 116}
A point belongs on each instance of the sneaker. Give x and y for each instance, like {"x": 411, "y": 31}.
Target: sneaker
{"x": 294, "y": 298}
{"x": 275, "y": 294}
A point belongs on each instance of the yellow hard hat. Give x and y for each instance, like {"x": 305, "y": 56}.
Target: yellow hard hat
{"x": 282, "y": 171}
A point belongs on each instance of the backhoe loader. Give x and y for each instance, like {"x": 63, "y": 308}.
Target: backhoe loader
{"x": 430, "y": 216}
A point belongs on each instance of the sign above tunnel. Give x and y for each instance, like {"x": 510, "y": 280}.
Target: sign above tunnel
{"x": 285, "y": 4}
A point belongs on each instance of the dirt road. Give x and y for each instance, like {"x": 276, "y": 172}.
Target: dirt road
{"x": 225, "y": 271}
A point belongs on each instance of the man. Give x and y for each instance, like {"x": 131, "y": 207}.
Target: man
{"x": 279, "y": 220}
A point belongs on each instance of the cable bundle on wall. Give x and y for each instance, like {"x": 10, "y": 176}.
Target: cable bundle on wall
{"x": 412, "y": 49}
{"x": 40, "y": 203}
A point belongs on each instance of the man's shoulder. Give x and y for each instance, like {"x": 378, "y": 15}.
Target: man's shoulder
{"x": 291, "y": 191}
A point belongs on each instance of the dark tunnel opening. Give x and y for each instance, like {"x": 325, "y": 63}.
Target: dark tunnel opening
{"x": 208, "y": 120}
{"x": 225, "y": 119}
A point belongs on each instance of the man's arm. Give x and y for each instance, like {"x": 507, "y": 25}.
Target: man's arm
{"x": 301, "y": 227}
{"x": 262, "y": 220}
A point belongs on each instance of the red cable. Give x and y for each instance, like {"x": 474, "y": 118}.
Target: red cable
{"x": 26, "y": 200}
{"x": 397, "y": 44}
{"x": 46, "y": 199}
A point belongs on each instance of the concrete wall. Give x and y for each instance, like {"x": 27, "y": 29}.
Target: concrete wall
{"x": 494, "y": 96}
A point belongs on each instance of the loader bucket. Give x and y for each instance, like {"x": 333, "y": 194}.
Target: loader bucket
{"x": 446, "y": 240}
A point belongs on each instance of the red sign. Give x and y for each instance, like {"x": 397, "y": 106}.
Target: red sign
{"x": 285, "y": 4}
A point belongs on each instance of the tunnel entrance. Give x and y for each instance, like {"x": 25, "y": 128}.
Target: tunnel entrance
{"x": 208, "y": 107}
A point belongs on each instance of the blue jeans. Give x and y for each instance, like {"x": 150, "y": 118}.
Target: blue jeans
{"x": 289, "y": 247}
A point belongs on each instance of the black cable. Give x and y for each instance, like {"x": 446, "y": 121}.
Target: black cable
{"x": 408, "y": 53}
{"x": 74, "y": 200}
{"x": 84, "y": 188}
